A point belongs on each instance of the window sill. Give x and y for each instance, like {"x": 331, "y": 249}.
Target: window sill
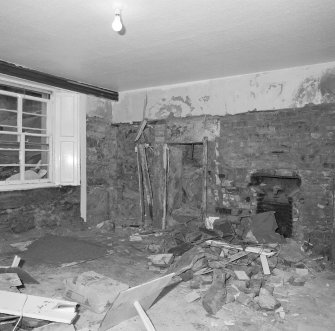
{"x": 19, "y": 187}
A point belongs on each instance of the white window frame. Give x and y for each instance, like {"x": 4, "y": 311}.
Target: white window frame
{"x": 59, "y": 169}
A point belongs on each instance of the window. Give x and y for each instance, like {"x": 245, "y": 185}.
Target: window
{"x": 25, "y": 139}
{"x": 39, "y": 137}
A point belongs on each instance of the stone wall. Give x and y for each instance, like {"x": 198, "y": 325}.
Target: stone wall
{"x": 112, "y": 183}
{"x": 296, "y": 143}
{"x": 40, "y": 208}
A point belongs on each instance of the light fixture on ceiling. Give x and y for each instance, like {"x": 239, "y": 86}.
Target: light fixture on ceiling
{"x": 117, "y": 24}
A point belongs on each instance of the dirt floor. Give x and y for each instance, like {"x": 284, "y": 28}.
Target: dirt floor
{"x": 308, "y": 307}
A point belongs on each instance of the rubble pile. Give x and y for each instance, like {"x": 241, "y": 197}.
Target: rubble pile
{"x": 231, "y": 268}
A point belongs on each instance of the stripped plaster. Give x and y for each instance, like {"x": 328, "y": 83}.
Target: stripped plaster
{"x": 99, "y": 107}
{"x": 279, "y": 89}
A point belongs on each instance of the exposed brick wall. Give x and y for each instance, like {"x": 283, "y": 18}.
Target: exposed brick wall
{"x": 291, "y": 141}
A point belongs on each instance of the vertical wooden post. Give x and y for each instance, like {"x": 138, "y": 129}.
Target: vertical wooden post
{"x": 146, "y": 180}
{"x": 165, "y": 166}
{"x": 140, "y": 184}
{"x": 205, "y": 170}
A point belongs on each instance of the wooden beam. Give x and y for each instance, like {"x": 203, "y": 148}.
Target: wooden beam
{"x": 146, "y": 180}
{"x": 204, "y": 168}
{"x": 15, "y": 70}
{"x": 140, "y": 184}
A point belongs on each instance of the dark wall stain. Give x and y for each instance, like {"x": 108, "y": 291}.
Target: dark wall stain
{"x": 307, "y": 91}
{"x": 327, "y": 86}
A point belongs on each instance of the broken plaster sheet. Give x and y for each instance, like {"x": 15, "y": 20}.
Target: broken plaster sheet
{"x": 37, "y": 307}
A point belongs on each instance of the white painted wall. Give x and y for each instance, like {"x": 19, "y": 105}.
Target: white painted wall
{"x": 279, "y": 89}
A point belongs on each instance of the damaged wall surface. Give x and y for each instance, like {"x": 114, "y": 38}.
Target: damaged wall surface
{"x": 21, "y": 211}
{"x": 279, "y": 89}
{"x": 290, "y": 143}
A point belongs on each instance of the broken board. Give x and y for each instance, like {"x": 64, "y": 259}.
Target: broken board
{"x": 37, "y": 307}
{"x": 123, "y": 306}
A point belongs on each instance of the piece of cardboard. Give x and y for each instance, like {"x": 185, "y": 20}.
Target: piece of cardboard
{"x": 123, "y": 307}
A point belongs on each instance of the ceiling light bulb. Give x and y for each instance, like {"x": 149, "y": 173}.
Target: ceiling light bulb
{"x": 117, "y": 25}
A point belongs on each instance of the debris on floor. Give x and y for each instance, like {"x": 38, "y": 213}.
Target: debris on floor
{"x": 219, "y": 273}
{"x": 93, "y": 290}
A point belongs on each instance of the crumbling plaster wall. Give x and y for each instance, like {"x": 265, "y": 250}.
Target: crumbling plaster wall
{"x": 49, "y": 208}
{"x": 279, "y": 89}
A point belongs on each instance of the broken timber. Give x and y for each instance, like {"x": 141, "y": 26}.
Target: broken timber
{"x": 166, "y": 169}
{"x": 146, "y": 179}
{"x": 263, "y": 252}
{"x": 140, "y": 184}
{"x": 135, "y": 300}
{"x": 37, "y": 307}
{"x": 204, "y": 168}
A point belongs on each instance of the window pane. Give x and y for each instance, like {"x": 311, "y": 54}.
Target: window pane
{"x": 8, "y": 102}
{"x": 37, "y": 157}
{"x": 9, "y": 173}
{"x": 34, "y": 107}
{"x": 8, "y": 113}
{"x": 34, "y": 116}
{"x": 9, "y": 140}
{"x": 40, "y": 172}
{"x": 36, "y": 142}
{"x": 9, "y": 157}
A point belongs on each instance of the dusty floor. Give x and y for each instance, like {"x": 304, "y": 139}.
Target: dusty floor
{"x": 308, "y": 307}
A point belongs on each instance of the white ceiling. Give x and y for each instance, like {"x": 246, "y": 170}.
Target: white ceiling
{"x": 166, "y": 41}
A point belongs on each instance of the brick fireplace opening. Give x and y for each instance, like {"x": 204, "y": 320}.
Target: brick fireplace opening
{"x": 275, "y": 193}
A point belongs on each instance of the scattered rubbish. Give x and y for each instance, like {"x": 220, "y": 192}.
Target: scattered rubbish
{"x": 301, "y": 272}
{"x": 161, "y": 260}
{"x": 192, "y": 296}
{"x": 135, "y": 237}
{"x": 55, "y": 327}
{"x": 209, "y": 222}
{"x": 140, "y": 297}
{"x": 229, "y": 323}
{"x": 9, "y": 280}
{"x": 297, "y": 281}
{"x": 263, "y": 252}
{"x": 241, "y": 275}
{"x": 22, "y": 246}
{"x": 263, "y": 226}
{"x": 266, "y": 300}
{"x": 15, "y": 269}
{"x": 215, "y": 297}
{"x": 187, "y": 260}
{"x": 281, "y": 312}
{"x": 37, "y": 307}
{"x": 290, "y": 252}
{"x": 93, "y": 290}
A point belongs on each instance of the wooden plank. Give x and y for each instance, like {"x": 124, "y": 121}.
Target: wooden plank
{"x": 237, "y": 256}
{"x": 174, "y": 179}
{"x": 257, "y": 250}
{"x": 123, "y": 307}
{"x": 37, "y": 307}
{"x": 146, "y": 180}
{"x": 140, "y": 184}
{"x": 265, "y": 264}
{"x": 157, "y": 176}
{"x": 204, "y": 187}
{"x": 165, "y": 166}
{"x": 144, "y": 317}
{"x": 140, "y": 130}
{"x": 16, "y": 262}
